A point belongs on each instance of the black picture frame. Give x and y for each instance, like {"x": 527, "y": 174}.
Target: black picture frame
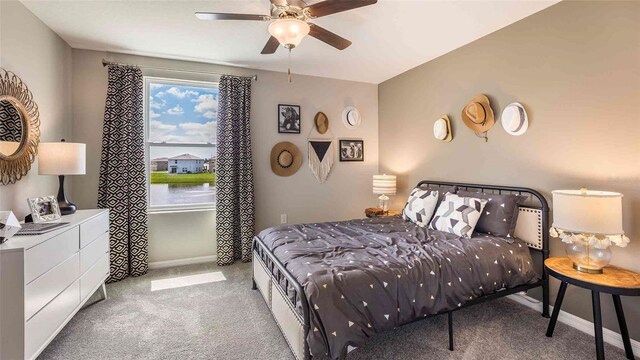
{"x": 351, "y": 150}
{"x": 289, "y": 119}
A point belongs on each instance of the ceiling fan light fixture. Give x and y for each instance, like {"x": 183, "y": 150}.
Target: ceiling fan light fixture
{"x": 289, "y": 32}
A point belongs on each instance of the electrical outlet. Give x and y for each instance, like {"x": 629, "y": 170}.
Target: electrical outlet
{"x": 283, "y": 218}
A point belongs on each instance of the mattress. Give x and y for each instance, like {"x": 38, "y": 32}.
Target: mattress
{"x": 363, "y": 277}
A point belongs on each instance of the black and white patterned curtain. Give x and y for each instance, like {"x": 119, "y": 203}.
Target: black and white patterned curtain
{"x": 235, "y": 212}
{"x": 122, "y": 187}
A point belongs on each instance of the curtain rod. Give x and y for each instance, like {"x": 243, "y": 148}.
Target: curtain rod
{"x": 107, "y": 62}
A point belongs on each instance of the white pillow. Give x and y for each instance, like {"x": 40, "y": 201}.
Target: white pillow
{"x": 420, "y": 206}
{"x": 458, "y": 215}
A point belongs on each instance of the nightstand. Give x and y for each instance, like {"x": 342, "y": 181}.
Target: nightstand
{"x": 388, "y": 213}
{"x": 614, "y": 280}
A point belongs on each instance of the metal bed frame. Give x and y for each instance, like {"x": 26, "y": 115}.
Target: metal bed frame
{"x": 282, "y": 281}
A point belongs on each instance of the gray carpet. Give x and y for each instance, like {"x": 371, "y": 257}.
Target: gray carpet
{"x": 228, "y": 320}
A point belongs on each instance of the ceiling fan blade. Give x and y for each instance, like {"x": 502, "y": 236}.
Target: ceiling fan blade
{"x": 329, "y": 7}
{"x": 223, "y": 16}
{"x": 279, "y": 2}
{"x": 328, "y": 37}
{"x": 271, "y": 46}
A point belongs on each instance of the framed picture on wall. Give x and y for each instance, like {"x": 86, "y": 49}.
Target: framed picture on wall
{"x": 288, "y": 119}
{"x": 351, "y": 150}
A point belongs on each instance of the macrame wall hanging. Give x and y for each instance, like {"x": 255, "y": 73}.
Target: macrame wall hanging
{"x": 321, "y": 156}
{"x": 321, "y": 152}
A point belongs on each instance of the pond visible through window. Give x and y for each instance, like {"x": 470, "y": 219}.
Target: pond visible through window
{"x": 182, "y": 120}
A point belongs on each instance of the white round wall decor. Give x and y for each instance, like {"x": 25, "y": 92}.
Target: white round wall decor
{"x": 351, "y": 117}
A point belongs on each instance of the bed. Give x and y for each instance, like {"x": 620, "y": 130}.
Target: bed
{"x": 332, "y": 286}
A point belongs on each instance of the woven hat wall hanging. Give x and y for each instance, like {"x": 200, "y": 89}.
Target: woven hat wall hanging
{"x": 321, "y": 121}
{"x": 285, "y": 159}
{"x": 478, "y": 116}
{"x": 321, "y": 157}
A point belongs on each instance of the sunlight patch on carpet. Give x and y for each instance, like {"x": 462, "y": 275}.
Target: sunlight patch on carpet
{"x": 188, "y": 280}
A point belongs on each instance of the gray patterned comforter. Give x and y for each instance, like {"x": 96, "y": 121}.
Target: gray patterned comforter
{"x": 363, "y": 277}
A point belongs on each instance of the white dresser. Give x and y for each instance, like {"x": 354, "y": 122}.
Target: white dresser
{"x": 46, "y": 279}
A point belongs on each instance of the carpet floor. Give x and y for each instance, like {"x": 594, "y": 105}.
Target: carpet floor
{"x": 225, "y": 319}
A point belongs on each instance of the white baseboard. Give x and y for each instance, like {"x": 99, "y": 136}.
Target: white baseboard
{"x": 586, "y": 326}
{"x": 180, "y": 262}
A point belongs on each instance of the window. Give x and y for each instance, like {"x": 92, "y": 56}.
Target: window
{"x": 181, "y": 119}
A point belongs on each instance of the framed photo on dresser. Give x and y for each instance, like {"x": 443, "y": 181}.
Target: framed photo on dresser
{"x": 44, "y": 209}
{"x": 288, "y": 119}
{"x": 351, "y": 150}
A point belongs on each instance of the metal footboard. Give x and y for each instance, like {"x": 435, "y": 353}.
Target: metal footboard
{"x": 282, "y": 306}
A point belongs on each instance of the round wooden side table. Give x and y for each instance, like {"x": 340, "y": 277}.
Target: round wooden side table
{"x": 614, "y": 280}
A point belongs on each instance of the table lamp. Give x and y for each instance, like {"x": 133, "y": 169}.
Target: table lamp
{"x": 384, "y": 185}
{"x": 588, "y": 222}
{"x": 62, "y": 158}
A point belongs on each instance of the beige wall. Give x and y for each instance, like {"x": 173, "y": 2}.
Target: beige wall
{"x": 43, "y": 61}
{"x": 345, "y": 195}
{"x": 576, "y": 68}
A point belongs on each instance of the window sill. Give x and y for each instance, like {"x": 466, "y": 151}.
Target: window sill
{"x": 174, "y": 210}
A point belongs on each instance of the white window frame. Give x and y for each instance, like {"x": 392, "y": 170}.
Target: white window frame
{"x": 151, "y": 209}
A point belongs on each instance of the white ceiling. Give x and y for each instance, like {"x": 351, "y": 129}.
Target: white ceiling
{"x": 389, "y": 38}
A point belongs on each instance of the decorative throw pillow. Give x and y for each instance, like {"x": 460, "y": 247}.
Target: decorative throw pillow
{"x": 442, "y": 190}
{"x": 420, "y": 206}
{"x": 499, "y": 215}
{"x": 458, "y": 215}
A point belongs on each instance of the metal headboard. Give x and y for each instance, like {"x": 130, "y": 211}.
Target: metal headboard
{"x": 533, "y": 217}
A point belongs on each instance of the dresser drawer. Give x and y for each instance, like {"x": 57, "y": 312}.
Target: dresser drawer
{"x": 94, "y": 276}
{"x": 43, "y": 257}
{"x": 44, "y": 324}
{"x": 43, "y": 289}
{"x": 92, "y": 229}
{"x": 91, "y": 253}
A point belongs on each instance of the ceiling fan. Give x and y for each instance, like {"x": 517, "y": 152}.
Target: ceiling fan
{"x": 290, "y": 21}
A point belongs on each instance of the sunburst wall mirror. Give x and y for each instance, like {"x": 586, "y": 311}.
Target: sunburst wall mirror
{"x": 19, "y": 128}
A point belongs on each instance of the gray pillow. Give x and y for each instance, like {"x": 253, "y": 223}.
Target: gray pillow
{"x": 500, "y": 215}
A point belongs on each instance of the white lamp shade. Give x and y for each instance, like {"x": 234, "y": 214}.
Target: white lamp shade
{"x": 384, "y": 184}
{"x": 62, "y": 158}
{"x": 588, "y": 212}
{"x": 289, "y": 32}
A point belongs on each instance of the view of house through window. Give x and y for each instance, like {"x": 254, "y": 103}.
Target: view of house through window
{"x": 181, "y": 142}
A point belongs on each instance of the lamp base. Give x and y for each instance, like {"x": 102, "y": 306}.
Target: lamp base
{"x": 587, "y": 270}
{"x": 384, "y": 202}
{"x": 66, "y": 207}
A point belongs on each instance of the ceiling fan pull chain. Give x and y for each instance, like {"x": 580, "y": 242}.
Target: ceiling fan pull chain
{"x": 289, "y": 70}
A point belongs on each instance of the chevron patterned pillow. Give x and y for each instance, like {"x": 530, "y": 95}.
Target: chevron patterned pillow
{"x": 458, "y": 215}
{"x": 420, "y": 206}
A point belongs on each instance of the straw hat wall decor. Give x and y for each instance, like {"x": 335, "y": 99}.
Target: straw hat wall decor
{"x": 477, "y": 115}
{"x": 321, "y": 121}
{"x": 285, "y": 159}
{"x": 442, "y": 129}
{"x": 514, "y": 119}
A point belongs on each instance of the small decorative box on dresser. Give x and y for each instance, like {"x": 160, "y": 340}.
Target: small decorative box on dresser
{"x": 46, "y": 279}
